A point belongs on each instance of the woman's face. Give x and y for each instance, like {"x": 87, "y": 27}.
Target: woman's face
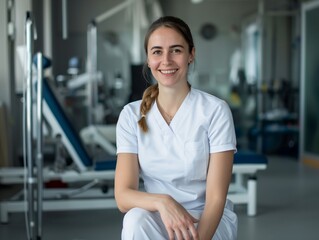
{"x": 168, "y": 56}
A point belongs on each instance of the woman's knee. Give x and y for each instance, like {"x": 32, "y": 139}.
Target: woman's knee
{"x": 142, "y": 224}
{"x": 135, "y": 215}
{"x": 136, "y": 220}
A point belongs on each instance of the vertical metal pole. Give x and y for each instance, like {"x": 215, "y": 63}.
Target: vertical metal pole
{"x": 92, "y": 70}
{"x": 64, "y": 19}
{"x": 261, "y": 12}
{"x": 136, "y": 41}
{"x": 302, "y": 102}
{"x": 29, "y": 130}
{"x": 39, "y": 145}
{"x": 47, "y": 30}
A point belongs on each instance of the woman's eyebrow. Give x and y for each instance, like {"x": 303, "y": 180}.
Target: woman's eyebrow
{"x": 173, "y": 46}
{"x": 156, "y": 47}
{"x": 177, "y": 45}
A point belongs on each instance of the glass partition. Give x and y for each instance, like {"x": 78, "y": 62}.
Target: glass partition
{"x": 310, "y": 83}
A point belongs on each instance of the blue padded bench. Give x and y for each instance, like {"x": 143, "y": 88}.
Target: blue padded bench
{"x": 60, "y": 124}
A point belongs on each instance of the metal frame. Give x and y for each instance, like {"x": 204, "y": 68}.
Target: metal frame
{"x": 53, "y": 200}
{"x": 92, "y": 199}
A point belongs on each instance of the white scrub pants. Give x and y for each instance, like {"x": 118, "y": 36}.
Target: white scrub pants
{"x": 140, "y": 224}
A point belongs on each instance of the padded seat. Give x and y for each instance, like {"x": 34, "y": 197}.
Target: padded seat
{"x": 105, "y": 165}
{"x": 249, "y": 157}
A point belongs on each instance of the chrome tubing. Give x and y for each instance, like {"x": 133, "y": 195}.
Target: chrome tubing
{"x": 29, "y": 136}
{"x": 92, "y": 87}
{"x": 39, "y": 160}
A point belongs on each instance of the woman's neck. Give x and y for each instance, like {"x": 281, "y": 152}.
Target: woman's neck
{"x": 169, "y": 100}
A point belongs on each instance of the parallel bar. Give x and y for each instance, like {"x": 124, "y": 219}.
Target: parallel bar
{"x": 29, "y": 129}
{"x": 92, "y": 69}
{"x": 39, "y": 163}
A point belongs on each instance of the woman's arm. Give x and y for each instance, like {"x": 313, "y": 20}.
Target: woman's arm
{"x": 218, "y": 180}
{"x": 175, "y": 218}
{"x": 127, "y": 195}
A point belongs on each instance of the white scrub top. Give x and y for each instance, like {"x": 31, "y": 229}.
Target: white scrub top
{"x": 174, "y": 158}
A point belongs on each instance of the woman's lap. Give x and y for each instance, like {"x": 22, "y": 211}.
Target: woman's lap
{"x": 142, "y": 225}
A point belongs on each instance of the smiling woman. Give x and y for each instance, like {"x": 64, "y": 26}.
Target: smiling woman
{"x": 181, "y": 142}
{"x": 168, "y": 59}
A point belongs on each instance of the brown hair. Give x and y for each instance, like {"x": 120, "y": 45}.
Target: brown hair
{"x": 151, "y": 93}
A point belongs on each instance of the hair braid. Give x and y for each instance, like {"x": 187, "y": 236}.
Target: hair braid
{"x": 149, "y": 96}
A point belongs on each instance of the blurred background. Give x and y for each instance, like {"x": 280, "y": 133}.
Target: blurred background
{"x": 247, "y": 52}
{"x": 261, "y": 56}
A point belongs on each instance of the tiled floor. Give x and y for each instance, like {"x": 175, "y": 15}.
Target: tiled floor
{"x": 288, "y": 208}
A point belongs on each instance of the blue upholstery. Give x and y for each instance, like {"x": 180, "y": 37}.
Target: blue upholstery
{"x": 249, "y": 157}
{"x": 71, "y": 134}
{"x": 105, "y": 165}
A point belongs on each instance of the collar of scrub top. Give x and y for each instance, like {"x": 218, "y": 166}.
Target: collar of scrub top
{"x": 168, "y": 129}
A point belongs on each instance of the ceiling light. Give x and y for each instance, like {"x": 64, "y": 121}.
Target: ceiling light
{"x": 196, "y": 1}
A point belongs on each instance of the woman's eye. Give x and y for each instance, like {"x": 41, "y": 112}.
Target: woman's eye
{"x": 176, "y": 50}
{"x": 157, "y": 52}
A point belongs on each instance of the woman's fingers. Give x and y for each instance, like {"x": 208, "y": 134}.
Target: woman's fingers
{"x": 194, "y": 233}
{"x": 179, "y": 223}
{"x": 179, "y": 234}
{"x": 171, "y": 234}
{"x": 183, "y": 232}
{"x": 186, "y": 234}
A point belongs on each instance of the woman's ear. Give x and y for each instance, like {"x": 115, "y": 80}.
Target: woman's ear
{"x": 192, "y": 56}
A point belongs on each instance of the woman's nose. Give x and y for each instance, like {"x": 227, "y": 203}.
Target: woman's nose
{"x": 166, "y": 58}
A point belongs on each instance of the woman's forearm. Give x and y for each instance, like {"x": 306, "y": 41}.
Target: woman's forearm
{"x": 126, "y": 186}
{"x": 130, "y": 198}
{"x": 210, "y": 219}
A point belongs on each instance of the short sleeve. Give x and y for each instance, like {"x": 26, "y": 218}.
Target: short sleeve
{"x": 221, "y": 132}
{"x": 126, "y": 138}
